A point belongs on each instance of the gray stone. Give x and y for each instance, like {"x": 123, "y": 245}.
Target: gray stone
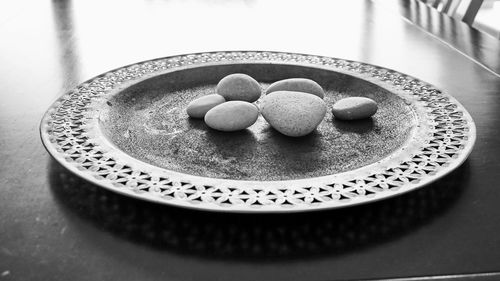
{"x": 354, "y": 108}
{"x": 200, "y": 106}
{"x": 232, "y": 116}
{"x": 239, "y": 86}
{"x": 297, "y": 85}
{"x": 293, "y": 114}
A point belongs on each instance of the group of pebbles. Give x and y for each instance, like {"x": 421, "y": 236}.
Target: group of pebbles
{"x": 294, "y": 107}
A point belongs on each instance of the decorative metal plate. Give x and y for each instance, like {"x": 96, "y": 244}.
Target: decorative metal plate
{"x": 126, "y": 130}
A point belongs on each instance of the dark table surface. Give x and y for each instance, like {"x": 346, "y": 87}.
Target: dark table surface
{"x": 54, "y": 226}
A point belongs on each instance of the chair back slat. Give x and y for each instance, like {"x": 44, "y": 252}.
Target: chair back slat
{"x": 471, "y": 11}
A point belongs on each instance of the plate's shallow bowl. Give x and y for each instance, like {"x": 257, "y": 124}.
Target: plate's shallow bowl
{"x": 148, "y": 121}
{"x": 127, "y": 130}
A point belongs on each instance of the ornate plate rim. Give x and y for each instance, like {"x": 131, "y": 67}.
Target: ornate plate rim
{"x": 247, "y": 199}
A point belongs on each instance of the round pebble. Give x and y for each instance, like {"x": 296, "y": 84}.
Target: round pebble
{"x": 354, "y": 108}
{"x": 239, "y": 86}
{"x": 293, "y": 114}
{"x": 232, "y": 116}
{"x": 297, "y": 85}
{"x": 200, "y": 106}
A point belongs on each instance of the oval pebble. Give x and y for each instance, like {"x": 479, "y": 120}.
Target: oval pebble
{"x": 239, "y": 86}
{"x": 297, "y": 85}
{"x": 232, "y": 116}
{"x": 354, "y": 108}
{"x": 200, "y": 106}
{"x": 293, "y": 114}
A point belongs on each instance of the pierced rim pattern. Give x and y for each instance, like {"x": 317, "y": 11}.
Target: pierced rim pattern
{"x": 70, "y": 133}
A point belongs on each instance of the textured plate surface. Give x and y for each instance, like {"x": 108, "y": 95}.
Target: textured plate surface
{"x": 127, "y": 130}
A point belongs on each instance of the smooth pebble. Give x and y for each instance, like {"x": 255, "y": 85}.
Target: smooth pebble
{"x": 200, "y": 106}
{"x": 293, "y": 114}
{"x": 297, "y": 85}
{"x": 232, "y": 116}
{"x": 354, "y": 108}
{"x": 239, "y": 86}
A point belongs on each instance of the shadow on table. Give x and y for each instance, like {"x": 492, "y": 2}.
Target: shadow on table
{"x": 254, "y": 236}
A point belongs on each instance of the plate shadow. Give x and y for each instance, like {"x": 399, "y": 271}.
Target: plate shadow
{"x": 257, "y": 237}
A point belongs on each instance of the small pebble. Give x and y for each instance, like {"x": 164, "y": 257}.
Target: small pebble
{"x": 354, "y": 108}
{"x": 293, "y": 114}
{"x": 232, "y": 116}
{"x": 297, "y": 85}
{"x": 239, "y": 86}
{"x": 200, "y": 106}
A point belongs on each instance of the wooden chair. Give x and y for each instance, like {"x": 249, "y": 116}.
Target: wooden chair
{"x": 450, "y": 7}
{"x": 465, "y": 11}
